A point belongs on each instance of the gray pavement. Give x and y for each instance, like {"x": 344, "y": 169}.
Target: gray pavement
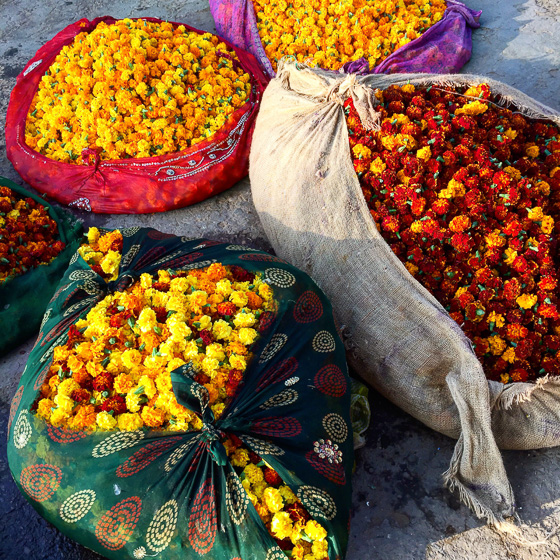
{"x": 401, "y": 511}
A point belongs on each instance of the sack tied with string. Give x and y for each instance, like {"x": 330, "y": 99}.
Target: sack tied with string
{"x": 399, "y": 337}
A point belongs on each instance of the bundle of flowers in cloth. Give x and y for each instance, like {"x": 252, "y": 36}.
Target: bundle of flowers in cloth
{"x": 36, "y": 243}
{"x": 436, "y": 173}
{"x": 359, "y": 35}
{"x": 179, "y": 386}
{"x": 133, "y": 116}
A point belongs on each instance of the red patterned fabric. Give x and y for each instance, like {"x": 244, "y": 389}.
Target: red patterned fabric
{"x": 139, "y": 185}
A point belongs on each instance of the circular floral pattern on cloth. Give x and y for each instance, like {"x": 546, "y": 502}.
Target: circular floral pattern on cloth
{"x": 77, "y": 505}
{"x": 143, "y": 457}
{"x": 116, "y": 526}
{"x": 130, "y": 231}
{"x": 279, "y": 277}
{"x": 14, "y": 406}
{"x": 41, "y": 377}
{"x": 22, "y": 430}
{"x": 323, "y": 341}
{"x": 277, "y": 426}
{"x": 317, "y": 502}
{"x": 336, "y": 427}
{"x": 308, "y": 308}
{"x": 177, "y": 455}
{"x": 275, "y": 553}
{"x": 331, "y": 381}
{"x": 261, "y": 447}
{"x": 162, "y": 526}
{"x": 40, "y": 482}
{"x": 266, "y": 320}
{"x": 239, "y": 248}
{"x": 203, "y": 519}
{"x": 284, "y": 398}
{"x": 331, "y": 471}
{"x": 275, "y": 344}
{"x": 278, "y": 373}
{"x": 237, "y": 499}
{"x": 63, "y": 435}
{"x": 116, "y": 442}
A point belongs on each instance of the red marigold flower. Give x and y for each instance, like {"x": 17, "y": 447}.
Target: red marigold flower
{"x": 117, "y": 404}
{"x": 74, "y": 335}
{"x": 103, "y": 382}
{"x": 548, "y": 310}
{"x": 241, "y": 275}
{"x": 298, "y": 512}
{"x": 80, "y": 395}
{"x": 161, "y": 286}
{"x": 516, "y": 332}
{"x": 462, "y": 242}
{"x": 390, "y": 223}
{"x": 207, "y": 337}
{"x": 441, "y": 206}
{"x": 254, "y": 458}
{"x": 512, "y": 289}
{"x": 459, "y": 224}
{"x": 161, "y": 314}
{"x": 272, "y": 477}
{"x": 519, "y": 264}
{"x": 519, "y": 374}
{"x": 227, "y": 309}
{"x": 548, "y": 283}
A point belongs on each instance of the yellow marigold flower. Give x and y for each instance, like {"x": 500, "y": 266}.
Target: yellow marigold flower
{"x": 123, "y": 383}
{"x": 58, "y": 417}
{"x": 412, "y": 268}
{"x": 265, "y": 291}
{"x": 320, "y": 549}
{"x": 223, "y": 287}
{"x": 205, "y": 322}
{"x": 174, "y": 364}
{"x": 377, "y": 166}
{"x": 105, "y": 421}
{"x": 511, "y": 134}
{"x": 408, "y": 88}
{"x": 216, "y": 351}
{"x": 547, "y": 224}
{"x": 221, "y": 330}
{"x": 129, "y": 422}
{"x": 532, "y": 151}
{"x": 535, "y": 214}
{"x": 244, "y": 320}
{"x": 526, "y": 301}
{"x": 64, "y": 403}
{"x": 246, "y": 336}
{"x": 239, "y": 298}
{"x": 315, "y": 531}
{"x": 454, "y": 189}
{"x": 509, "y": 355}
{"x": 361, "y": 152}
{"x": 218, "y": 409}
{"x": 133, "y": 401}
{"x": 238, "y": 362}
{"x": 494, "y": 239}
{"x": 473, "y": 108}
{"x": 515, "y": 173}
{"x": 131, "y": 358}
{"x": 149, "y": 387}
{"x": 210, "y": 365}
{"x": 554, "y": 172}
{"x": 92, "y": 235}
{"x": 281, "y": 525}
{"x": 496, "y": 318}
{"x": 417, "y": 227}
{"x": 198, "y": 298}
{"x": 424, "y": 153}
{"x": 287, "y": 494}
{"x": 497, "y": 345}
{"x": 263, "y": 512}
{"x": 44, "y": 409}
{"x": 67, "y": 386}
{"x": 511, "y": 254}
{"x": 147, "y": 320}
{"x": 152, "y": 417}
{"x": 240, "y": 458}
{"x": 180, "y": 285}
{"x": 253, "y": 473}
{"x": 543, "y": 187}
{"x": 146, "y": 281}
{"x": 273, "y": 500}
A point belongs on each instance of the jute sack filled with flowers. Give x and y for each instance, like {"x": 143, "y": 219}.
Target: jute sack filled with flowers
{"x": 133, "y": 116}
{"x": 186, "y": 398}
{"x": 359, "y": 35}
{"x": 421, "y": 205}
{"x": 36, "y": 243}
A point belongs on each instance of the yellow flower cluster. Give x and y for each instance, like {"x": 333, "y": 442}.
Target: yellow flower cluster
{"x": 282, "y": 513}
{"x": 331, "y": 33}
{"x": 114, "y": 371}
{"x": 134, "y": 89}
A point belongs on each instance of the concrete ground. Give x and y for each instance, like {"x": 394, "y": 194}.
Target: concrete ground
{"x": 401, "y": 511}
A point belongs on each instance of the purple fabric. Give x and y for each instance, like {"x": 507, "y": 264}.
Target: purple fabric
{"x": 444, "y": 48}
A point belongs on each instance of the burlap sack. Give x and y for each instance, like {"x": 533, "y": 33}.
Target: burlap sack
{"x": 399, "y": 338}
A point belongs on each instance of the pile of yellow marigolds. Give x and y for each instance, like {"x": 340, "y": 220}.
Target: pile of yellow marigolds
{"x": 330, "y": 33}
{"x": 114, "y": 371}
{"x": 134, "y": 89}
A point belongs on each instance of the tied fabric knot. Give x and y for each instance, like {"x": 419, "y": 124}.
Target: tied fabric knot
{"x": 363, "y": 97}
{"x": 212, "y": 438}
